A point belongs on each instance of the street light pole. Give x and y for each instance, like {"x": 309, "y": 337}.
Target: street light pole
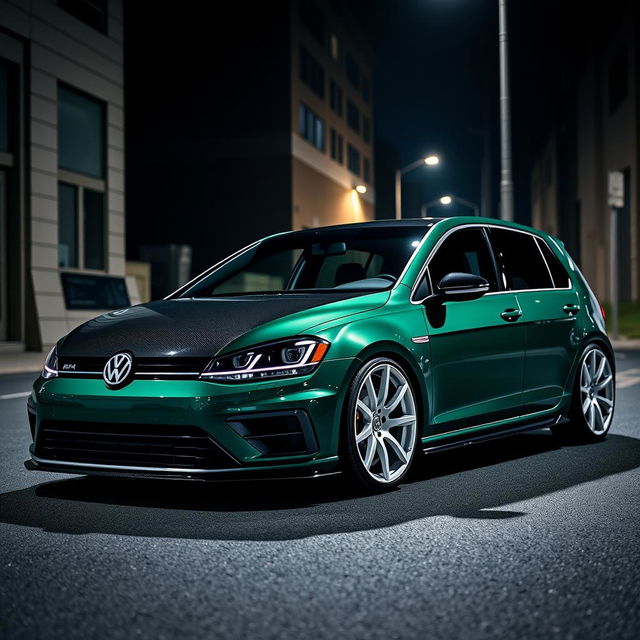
{"x": 506, "y": 180}
{"x": 429, "y": 161}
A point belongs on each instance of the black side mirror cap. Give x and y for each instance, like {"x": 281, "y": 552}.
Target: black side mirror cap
{"x": 457, "y": 286}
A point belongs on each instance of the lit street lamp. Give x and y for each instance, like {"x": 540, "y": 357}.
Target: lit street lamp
{"x": 446, "y": 201}
{"x": 430, "y": 161}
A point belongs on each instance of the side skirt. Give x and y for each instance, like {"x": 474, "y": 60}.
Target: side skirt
{"x": 463, "y": 440}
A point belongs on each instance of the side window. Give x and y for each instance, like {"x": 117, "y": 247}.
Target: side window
{"x": 558, "y": 273}
{"x": 521, "y": 260}
{"x": 464, "y": 251}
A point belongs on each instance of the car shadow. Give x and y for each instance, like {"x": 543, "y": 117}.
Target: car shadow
{"x": 475, "y": 482}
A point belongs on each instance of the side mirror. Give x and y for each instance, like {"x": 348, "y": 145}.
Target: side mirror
{"x": 462, "y": 286}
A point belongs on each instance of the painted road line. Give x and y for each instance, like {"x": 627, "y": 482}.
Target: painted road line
{"x": 11, "y": 396}
{"x": 627, "y": 378}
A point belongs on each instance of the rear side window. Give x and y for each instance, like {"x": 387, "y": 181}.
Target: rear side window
{"x": 558, "y": 273}
{"x": 464, "y": 251}
{"x": 521, "y": 260}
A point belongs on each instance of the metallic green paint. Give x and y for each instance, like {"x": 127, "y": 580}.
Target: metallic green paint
{"x": 475, "y": 371}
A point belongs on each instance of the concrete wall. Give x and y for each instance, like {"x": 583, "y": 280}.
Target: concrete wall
{"x": 63, "y": 49}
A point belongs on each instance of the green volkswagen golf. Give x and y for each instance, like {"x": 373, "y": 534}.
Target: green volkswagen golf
{"x": 352, "y": 348}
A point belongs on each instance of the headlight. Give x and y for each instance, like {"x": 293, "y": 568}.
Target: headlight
{"x": 284, "y": 359}
{"x": 51, "y": 365}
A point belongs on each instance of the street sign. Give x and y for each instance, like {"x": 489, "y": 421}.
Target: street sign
{"x": 616, "y": 189}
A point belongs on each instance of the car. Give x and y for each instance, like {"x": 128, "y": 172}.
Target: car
{"x": 354, "y": 348}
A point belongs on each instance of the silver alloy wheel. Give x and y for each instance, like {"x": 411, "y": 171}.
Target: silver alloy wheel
{"x": 385, "y": 423}
{"x": 597, "y": 391}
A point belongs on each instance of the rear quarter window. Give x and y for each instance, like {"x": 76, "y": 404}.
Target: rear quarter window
{"x": 560, "y": 278}
{"x": 520, "y": 260}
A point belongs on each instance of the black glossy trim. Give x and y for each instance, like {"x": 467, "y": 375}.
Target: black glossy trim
{"x": 462, "y": 440}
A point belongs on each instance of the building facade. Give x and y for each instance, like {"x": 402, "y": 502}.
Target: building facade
{"x": 61, "y": 167}
{"x": 332, "y": 123}
{"x": 268, "y": 126}
{"x": 569, "y": 182}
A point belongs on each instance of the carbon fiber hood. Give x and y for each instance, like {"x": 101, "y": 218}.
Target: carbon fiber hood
{"x": 185, "y": 327}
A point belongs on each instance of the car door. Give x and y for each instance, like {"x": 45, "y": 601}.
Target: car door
{"x": 550, "y": 307}
{"x": 477, "y": 346}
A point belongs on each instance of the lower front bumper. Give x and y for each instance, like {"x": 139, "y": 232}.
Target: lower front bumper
{"x": 314, "y": 469}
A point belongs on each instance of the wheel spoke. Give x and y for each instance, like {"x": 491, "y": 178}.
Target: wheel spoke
{"x": 397, "y": 447}
{"x": 592, "y": 417}
{"x": 607, "y": 401}
{"x": 603, "y": 383}
{"x": 371, "y": 392}
{"x": 397, "y": 397}
{"x": 585, "y": 404}
{"x": 364, "y": 408}
{"x": 399, "y": 422}
{"x": 364, "y": 434}
{"x": 599, "y": 416}
{"x": 384, "y": 385}
{"x": 586, "y": 376}
{"x": 601, "y": 366}
{"x": 371, "y": 450}
{"x": 384, "y": 460}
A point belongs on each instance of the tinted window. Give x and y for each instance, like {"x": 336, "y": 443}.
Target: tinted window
{"x": 465, "y": 251}
{"x": 314, "y": 260}
{"x": 520, "y": 259}
{"x": 559, "y": 275}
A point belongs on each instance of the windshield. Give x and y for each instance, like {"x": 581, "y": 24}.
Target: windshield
{"x": 364, "y": 259}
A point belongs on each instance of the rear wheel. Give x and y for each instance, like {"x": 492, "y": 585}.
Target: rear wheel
{"x": 381, "y": 425}
{"x": 593, "y": 397}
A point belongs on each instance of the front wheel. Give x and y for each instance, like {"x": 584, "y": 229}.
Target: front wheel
{"x": 593, "y": 397}
{"x": 381, "y": 431}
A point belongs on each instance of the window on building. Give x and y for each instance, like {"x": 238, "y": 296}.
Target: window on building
{"x": 311, "y": 127}
{"x": 353, "y": 116}
{"x": 618, "y": 79}
{"x": 337, "y": 147}
{"x": 335, "y": 97}
{"x": 81, "y": 133}
{"x": 81, "y": 189}
{"x": 366, "y": 89}
{"x": 335, "y": 47}
{"x": 311, "y": 72}
{"x": 353, "y": 159}
{"x": 366, "y": 129}
{"x": 81, "y": 227}
{"x": 91, "y": 12}
{"x": 353, "y": 72}
{"x": 312, "y": 17}
{"x": 366, "y": 170}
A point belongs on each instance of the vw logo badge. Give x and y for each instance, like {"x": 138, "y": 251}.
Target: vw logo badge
{"x": 117, "y": 370}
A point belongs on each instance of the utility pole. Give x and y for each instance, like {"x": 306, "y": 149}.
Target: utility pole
{"x": 506, "y": 180}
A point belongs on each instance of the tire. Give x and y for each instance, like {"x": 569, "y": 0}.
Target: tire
{"x": 380, "y": 434}
{"x": 593, "y": 398}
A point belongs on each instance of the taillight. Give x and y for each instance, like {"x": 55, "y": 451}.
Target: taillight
{"x": 602, "y": 311}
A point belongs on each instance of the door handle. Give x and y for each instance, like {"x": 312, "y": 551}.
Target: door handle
{"x": 511, "y": 315}
{"x": 571, "y": 309}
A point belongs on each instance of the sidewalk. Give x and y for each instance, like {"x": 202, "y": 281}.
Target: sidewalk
{"x": 32, "y": 361}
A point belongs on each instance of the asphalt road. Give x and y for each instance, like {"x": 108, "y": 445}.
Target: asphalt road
{"x": 513, "y": 539}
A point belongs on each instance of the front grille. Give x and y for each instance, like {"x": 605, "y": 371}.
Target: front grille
{"x": 138, "y": 445}
{"x": 144, "y": 368}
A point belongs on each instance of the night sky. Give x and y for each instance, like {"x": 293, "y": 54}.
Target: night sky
{"x": 437, "y": 88}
